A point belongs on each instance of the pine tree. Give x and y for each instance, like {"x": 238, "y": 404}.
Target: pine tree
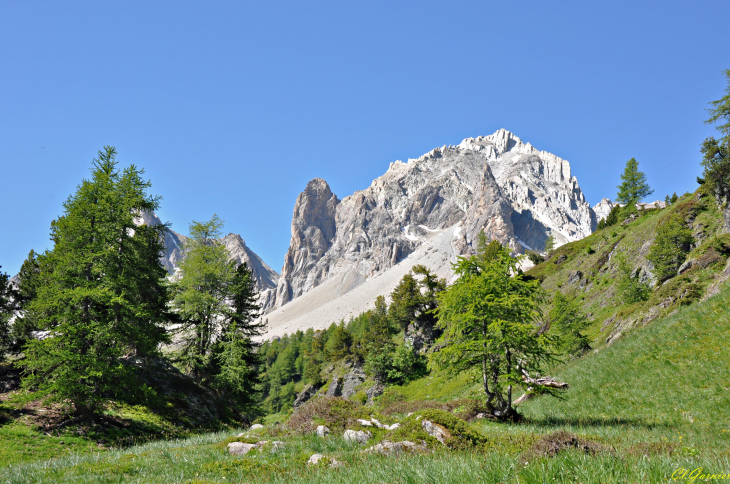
{"x": 28, "y": 283}
{"x": 236, "y": 362}
{"x": 101, "y": 292}
{"x": 633, "y": 188}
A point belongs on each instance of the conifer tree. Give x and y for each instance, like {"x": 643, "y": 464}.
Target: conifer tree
{"x": 716, "y": 152}
{"x": 568, "y": 318}
{"x": 489, "y": 320}
{"x": 633, "y": 187}
{"x": 100, "y": 293}
{"x": 7, "y": 305}
{"x": 670, "y": 248}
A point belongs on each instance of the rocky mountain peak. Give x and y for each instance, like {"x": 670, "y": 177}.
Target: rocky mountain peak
{"x": 497, "y": 184}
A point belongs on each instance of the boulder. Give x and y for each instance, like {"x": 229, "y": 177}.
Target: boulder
{"x": 335, "y": 388}
{"x": 308, "y": 392}
{"x": 256, "y": 427}
{"x": 315, "y": 459}
{"x": 360, "y": 436}
{"x": 322, "y": 431}
{"x": 241, "y": 448}
{"x": 374, "y": 391}
{"x": 435, "y": 430}
{"x": 387, "y": 447}
{"x": 351, "y": 382}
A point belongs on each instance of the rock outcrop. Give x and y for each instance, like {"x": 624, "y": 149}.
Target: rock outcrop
{"x": 603, "y": 208}
{"x": 496, "y": 184}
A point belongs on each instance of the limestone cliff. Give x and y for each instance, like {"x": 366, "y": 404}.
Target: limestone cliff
{"x": 496, "y": 184}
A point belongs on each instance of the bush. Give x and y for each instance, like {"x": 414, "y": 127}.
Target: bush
{"x": 333, "y": 412}
{"x": 534, "y": 257}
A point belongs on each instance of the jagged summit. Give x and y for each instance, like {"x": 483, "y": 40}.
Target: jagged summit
{"x": 497, "y": 184}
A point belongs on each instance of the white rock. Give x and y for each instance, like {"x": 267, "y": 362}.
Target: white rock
{"x": 322, "y": 431}
{"x": 256, "y": 427}
{"x": 240, "y": 448}
{"x": 360, "y": 436}
{"x": 387, "y": 447}
{"x": 365, "y": 423}
{"x": 316, "y": 458}
{"x": 392, "y": 427}
{"x": 435, "y": 430}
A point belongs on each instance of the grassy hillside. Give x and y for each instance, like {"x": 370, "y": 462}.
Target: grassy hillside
{"x": 655, "y": 401}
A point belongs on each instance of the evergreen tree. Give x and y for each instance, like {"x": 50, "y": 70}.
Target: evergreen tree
{"x": 200, "y": 296}
{"x": 630, "y": 288}
{"x": 633, "y": 187}
{"x": 716, "y": 152}
{"x": 100, "y": 293}
{"x": 549, "y": 244}
{"x": 28, "y": 282}
{"x": 567, "y": 317}
{"x": 7, "y": 305}
{"x": 488, "y": 316}
{"x": 670, "y": 248}
{"x": 235, "y": 368}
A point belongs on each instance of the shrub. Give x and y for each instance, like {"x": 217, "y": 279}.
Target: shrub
{"x": 333, "y": 412}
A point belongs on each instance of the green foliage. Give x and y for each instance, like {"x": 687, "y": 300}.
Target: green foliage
{"x": 339, "y": 343}
{"x": 630, "y": 288}
{"x": 535, "y": 257}
{"x": 100, "y": 293}
{"x": 488, "y": 317}
{"x": 633, "y": 186}
{"x": 566, "y": 316}
{"x": 549, "y": 244}
{"x": 395, "y": 364}
{"x": 670, "y": 248}
{"x": 716, "y": 152}
{"x": 414, "y": 299}
{"x": 7, "y": 296}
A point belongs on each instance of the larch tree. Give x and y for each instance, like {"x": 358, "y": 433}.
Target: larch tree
{"x": 100, "y": 293}
{"x": 489, "y": 318}
{"x": 634, "y": 187}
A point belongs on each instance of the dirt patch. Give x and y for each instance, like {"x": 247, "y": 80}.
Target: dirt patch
{"x": 552, "y": 444}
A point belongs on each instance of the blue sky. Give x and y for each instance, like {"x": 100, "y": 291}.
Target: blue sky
{"x": 231, "y": 107}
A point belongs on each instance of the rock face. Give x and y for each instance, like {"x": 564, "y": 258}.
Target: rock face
{"x": 496, "y": 184}
{"x": 603, "y": 208}
{"x": 266, "y": 277}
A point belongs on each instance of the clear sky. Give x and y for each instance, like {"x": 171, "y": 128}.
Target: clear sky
{"x": 231, "y": 107}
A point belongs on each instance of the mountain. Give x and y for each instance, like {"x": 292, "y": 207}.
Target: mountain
{"x": 266, "y": 277}
{"x": 513, "y": 192}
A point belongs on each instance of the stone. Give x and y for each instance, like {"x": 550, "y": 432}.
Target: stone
{"x": 322, "y": 431}
{"x": 366, "y": 423}
{"x": 360, "y": 436}
{"x": 315, "y": 459}
{"x": 240, "y": 448}
{"x": 574, "y": 277}
{"x": 351, "y": 382}
{"x": 307, "y": 392}
{"x": 335, "y": 388}
{"x": 256, "y": 427}
{"x": 387, "y": 447}
{"x": 435, "y": 430}
{"x": 374, "y": 391}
